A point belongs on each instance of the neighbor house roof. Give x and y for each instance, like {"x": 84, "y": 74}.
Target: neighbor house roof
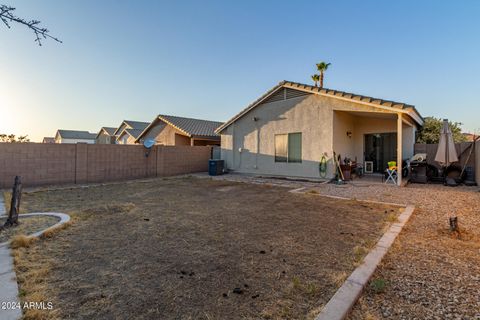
{"x": 108, "y": 130}
{"x": 134, "y": 132}
{"x": 130, "y": 124}
{"x": 342, "y": 95}
{"x": 75, "y": 134}
{"x": 189, "y": 126}
{"x": 48, "y": 140}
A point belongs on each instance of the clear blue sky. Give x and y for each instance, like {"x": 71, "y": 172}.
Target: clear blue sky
{"x": 209, "y": 59}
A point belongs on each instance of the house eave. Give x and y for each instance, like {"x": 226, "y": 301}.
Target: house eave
{"x": 360, "y": 99}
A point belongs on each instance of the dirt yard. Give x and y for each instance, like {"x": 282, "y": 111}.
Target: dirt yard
{"x": 194, "y": 249}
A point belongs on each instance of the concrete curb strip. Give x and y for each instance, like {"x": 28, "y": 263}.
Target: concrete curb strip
{"x": 8, "y": 280}
{"x": 347, "y": 295}
{"x": 64, "y": 218}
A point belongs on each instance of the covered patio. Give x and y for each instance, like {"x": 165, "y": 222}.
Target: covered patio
{"x": 372, "y": 137}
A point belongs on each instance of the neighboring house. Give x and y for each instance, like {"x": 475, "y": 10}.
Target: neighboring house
{"x": 106, "y": 135}
{"x": 74, "y": 136}
{"x": 180, "y": 131}
{"x": 469, "y": 137}
{"x": 129, "y": 131}
{"x": 288, "y": 130}
{"x": 48, "y": 140}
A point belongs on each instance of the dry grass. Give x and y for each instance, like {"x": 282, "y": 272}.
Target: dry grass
{"x": 32, "y": 276}
{"x": 26, "y": 226}
{"x": 21, "y": 241}
{"x": 181, "y": 248}
{"x": 50, "y": 233}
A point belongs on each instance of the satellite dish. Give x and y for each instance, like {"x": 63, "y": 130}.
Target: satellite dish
{"x": 149, "y": 143}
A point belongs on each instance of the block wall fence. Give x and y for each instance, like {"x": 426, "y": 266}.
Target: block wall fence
{"x": 462, "y": 151}
{"x": 47, "y": 164}
{"x": 477, "y": 162}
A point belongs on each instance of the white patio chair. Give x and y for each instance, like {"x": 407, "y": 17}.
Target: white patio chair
{"x": 392, "y": 176}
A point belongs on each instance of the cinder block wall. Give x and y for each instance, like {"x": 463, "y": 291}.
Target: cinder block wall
{"x": 477, "y": 162}
{"x": 177, "y": 160}
{"x": 46, "y": 164}
{"x": 109, "y": 162}
{"x": 37, "y": 164}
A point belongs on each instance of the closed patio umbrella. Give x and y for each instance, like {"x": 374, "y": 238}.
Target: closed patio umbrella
{"x": 446, "y": 152}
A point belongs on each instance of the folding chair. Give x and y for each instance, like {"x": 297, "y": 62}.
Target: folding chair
{"x": 392, "y": 172}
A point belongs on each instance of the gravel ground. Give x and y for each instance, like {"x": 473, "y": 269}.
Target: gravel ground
{"x": 428, "y": 273}
{"x": 27, "y": 225}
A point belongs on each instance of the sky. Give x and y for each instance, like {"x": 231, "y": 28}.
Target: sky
{"x": 209, "y": 59}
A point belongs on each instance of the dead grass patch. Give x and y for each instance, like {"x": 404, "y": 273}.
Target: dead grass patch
{"x": 53, "y": 231}
{"x": 21, "y": 241}
{"x": 177, "y": 248}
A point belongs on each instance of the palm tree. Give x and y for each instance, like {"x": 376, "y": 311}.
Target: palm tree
{"x": 322, "y": 67}
{"x": 315, "y": 79}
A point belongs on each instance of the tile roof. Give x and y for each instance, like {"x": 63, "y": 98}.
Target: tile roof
{"x": 192, "y": 127}
{"x": 75, "y": 134}
{"x": 137, "y": 124}
{"x": 348, "y": 95}
{"x": 134, "y": 132}
{"x": 109, "y": 130}
{"x": 326, "y": 92}
{"x": 130, "y": 124}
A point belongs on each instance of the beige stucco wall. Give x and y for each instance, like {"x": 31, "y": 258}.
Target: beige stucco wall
{"x": 104, "y": 138}
{"x": 167, "y": 135}
{"x": 129, "y": 139}
{"x": 256, "y": 138}
{"x": 89, "y": 141}
{"x": 359, "y": 126}
{"x": 477, "y": 162}
{"x": 323, "y": 122}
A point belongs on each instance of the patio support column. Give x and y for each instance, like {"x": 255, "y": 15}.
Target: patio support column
{"x": 399, "y": 149}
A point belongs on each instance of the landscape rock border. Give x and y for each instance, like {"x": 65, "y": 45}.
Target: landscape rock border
{"x": 342, "y": 302}
{"x": 8, "y": 280}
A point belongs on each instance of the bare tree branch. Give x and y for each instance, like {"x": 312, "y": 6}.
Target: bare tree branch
{"x": 7, "y": 16}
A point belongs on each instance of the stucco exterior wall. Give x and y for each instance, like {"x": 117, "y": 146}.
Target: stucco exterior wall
{"x": 104, "y": 138}
{"x": 125, "y": 138}
{"x": 248, "y": 146}
{"x": 167, "y": 135}
{"x": 344, "y": 145}
{"x": 61, "y": 140}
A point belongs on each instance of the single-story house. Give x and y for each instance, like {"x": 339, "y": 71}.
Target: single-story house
{"x": 288, "y": 130}
{"x": 180, "y": 131}
{"x": 48, "y": 140}
{"x": 106, "y": 135}
{"x": 128, "y": 131}
{"x": 74, "y": 136}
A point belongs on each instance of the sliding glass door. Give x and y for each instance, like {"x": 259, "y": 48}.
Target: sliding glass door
{"x": 380, "y": 148}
